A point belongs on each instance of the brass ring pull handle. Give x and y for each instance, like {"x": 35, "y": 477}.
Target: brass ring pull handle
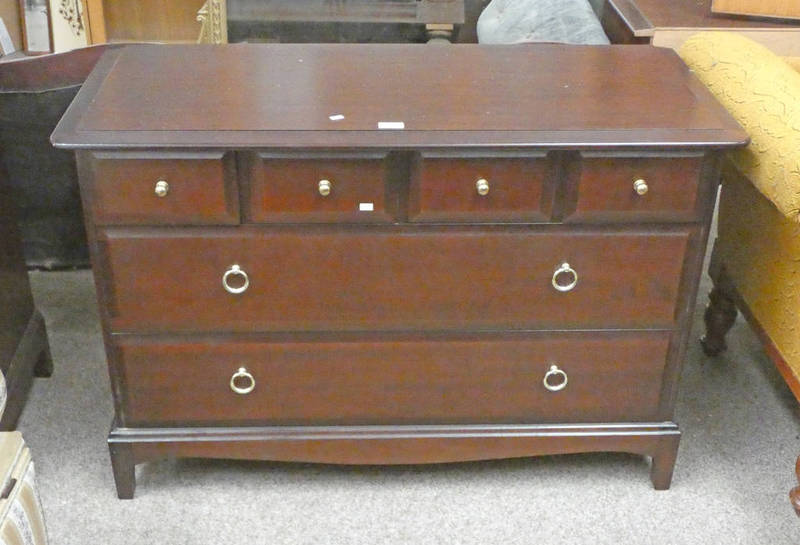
{"x": 235, "y": 270}
{"x": 565, "y": 269}
{"x": 553, "y": 373}
{"x": 482, "y": 186}
{"x": 242, "y": 374}
{"x": 161, "y": 189}
{"x": 324, "y": 187}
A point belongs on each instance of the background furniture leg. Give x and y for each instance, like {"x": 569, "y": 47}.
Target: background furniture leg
{"x": 439, "y": 32}
{"x": 794, "y": 495}
{"x": 721, "y": 311}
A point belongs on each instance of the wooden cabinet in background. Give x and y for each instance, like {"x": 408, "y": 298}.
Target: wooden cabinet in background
{"x": 670, "y": 23}
{"x": 758, "y": 8}
{"x": 143, "y": 20}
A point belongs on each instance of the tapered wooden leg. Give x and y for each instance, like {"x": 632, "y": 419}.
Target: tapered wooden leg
{"x": 124, "y": 467}
{"x": 664, "y": 462}
{"x": 720, "y": 312}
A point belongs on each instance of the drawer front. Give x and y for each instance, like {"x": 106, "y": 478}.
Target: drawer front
{"x": 610, "y": 377}
{"x": 345, "y": 279}
{"x": 637, "y": 189}
{"x": 178, "y": 189}
{"x": 480, "y": 189}
{"x": 315, "y": 190}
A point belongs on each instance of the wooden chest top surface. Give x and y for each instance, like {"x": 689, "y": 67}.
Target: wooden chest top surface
{"x": 284, "y": 95}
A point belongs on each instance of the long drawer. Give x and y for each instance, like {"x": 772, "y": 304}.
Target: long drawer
{"x": 590, "y": 377}
{"x": 300, "y": 279}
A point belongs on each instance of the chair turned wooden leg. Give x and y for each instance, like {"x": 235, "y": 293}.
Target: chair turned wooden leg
{"x": 794, "y": 495}
{"x": 720, "y": 312}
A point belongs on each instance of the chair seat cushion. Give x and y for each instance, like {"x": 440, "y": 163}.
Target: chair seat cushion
{"x": 520, "y": 21}
{"x": 762, "y": 92}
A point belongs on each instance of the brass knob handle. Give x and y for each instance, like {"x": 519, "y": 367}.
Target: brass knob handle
{"x": 235, "y": 271}
{"x": 554, "y": 373}
{"x": 482, "y": 186}
{"x": 640, "y": 186}
{"x": 565, "y": 269}
{"x": 324, "y": 187}
{"x": 242, "y": 375}
{"x": 162, "y": 188}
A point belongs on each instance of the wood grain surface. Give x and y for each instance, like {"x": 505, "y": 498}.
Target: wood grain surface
{"x": 202, "y": 189}
{"x": 611, "y": 376}
{"x": 366, "y": 338}
{"x": 605, "y": 188}
{"x": 286, "y": 189}
{"x": 576, "y": 95}
{"x": 445, "y": 188}
{"x": 393, "y": 279}
{"x": 758, "y": 8}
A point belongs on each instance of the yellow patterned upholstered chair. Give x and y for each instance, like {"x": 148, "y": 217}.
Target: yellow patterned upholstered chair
{"x": 755, "y": 264}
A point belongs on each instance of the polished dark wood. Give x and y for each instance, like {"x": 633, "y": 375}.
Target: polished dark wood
{"x": 391, "y": 445}
{"x": 44, "y": 72}
{"x": 285, "y": 189}
{"x": 24, "y": 348}
{"x": 606, "y": 192}
{"x": 202, "y": 189}
{"x": 605, "y": 96}
{"x": 447, "y": 278}
{"x": 444, "y": 188}
{"x": 422, "y": 334}
{"x": 619, "y": 21}
{"x": 475, "y": 380}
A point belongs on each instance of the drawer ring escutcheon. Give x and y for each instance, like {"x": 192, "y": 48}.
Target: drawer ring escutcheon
{"x": 565, "y": 269}
{"x": 555, "y": 372}
{"x": 242, "y": 373}
{"x": 235, "y": 270}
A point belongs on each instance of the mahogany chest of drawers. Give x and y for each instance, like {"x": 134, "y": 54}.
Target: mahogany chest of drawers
{"x": 395, "y": 254}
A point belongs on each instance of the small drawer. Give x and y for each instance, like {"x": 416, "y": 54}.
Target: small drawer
{"x": 482, "y": 189}
{"x": 540, "y": 378}
{"x": 178, "y": 189}
{"x": 614, "y": 188}
{"x": 318, "y": 189}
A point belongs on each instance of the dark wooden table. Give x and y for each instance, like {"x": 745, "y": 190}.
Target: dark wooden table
{"x": 670, "y": 23}
{"x": 395, "y": 254}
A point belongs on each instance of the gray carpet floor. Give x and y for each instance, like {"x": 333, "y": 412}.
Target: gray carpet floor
{"x": 735, "y": 467}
